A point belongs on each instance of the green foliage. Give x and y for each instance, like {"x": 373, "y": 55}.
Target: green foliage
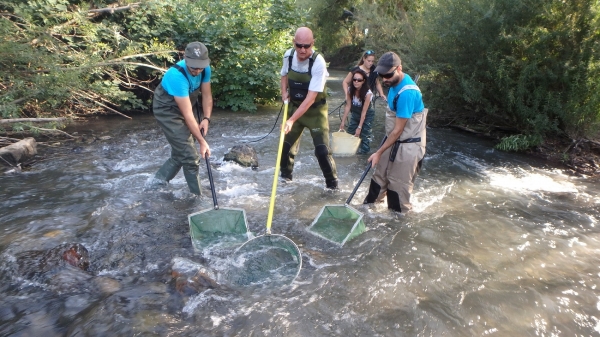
{"x": 244, "y": 48}
{"x": 531, "y": 65}
{"x": 245, "y": 38}
{"x": 517, "y": 143}
{"x": 58, "y": 58}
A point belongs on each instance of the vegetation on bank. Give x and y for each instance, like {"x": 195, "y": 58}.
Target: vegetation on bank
{"x": 525, "y": 70}
{"x": 528, "y": 70}
{"x": 76, "y": 57}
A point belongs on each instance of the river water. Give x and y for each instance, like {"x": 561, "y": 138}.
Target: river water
{"x": 497, "y": 244}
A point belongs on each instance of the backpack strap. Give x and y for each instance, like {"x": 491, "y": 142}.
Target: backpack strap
{"x": 181, "y": 70}
{"x": 311, "y": 61}
{"x": 404, "y": 88}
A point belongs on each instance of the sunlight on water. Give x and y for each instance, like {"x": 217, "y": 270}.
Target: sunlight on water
{"x": 532, "y": 182}
{"x": 240, "y": 190}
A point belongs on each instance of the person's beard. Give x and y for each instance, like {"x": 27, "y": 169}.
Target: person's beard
{"x": 393, "y": 82}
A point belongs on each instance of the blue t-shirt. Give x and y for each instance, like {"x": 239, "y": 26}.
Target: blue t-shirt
{"x": 409, "y": 102}
{"x": 175, "y": 84}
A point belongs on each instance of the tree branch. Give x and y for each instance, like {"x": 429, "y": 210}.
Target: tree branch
{"x": 102, "y": 105}
{"x": 140, "y": 55}
{"x": 19, "y": 120}
{"x": 52, "y": 130}
{"x": 112, "y": 64}
{"x": 114, "y": 9}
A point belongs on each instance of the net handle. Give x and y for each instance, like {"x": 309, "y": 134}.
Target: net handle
{"x": 210, "y": 178}
{"x": 275, "y": 176}
{"x": 363, "y": 176}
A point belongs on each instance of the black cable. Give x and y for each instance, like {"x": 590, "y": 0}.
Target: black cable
{"x": 344, "y": 102}
{"x": 273, "y": 128}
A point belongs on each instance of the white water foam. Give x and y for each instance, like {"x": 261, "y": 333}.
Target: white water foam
{"x": 531, "y": 182}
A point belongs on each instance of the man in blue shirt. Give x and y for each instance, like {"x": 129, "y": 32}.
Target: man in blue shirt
{"x": 175, "y": 107}
{"x": 398, "y": 161}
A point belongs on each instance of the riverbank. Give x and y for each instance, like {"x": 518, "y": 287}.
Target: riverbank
{"x": 577, "y": 156}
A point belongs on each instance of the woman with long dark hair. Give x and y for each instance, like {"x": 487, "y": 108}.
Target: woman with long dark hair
{"x": 366, "y": 64}
{"x": 358, "y": 101}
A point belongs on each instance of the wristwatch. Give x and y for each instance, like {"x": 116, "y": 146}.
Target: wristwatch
{"x": 359, "y": 127}
{"x": 208, "y": 119}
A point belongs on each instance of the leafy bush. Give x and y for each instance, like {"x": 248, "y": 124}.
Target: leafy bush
{"x": 531, "y": 65}
{"x": 68, "y": 56}
{"x": 518, "y": 143}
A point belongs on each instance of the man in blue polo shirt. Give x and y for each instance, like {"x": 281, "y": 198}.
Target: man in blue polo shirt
{"x": 175, "y": 107}
{"x": 398, "y": 161}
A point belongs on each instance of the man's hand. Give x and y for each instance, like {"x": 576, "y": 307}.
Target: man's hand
{"x": 204, "y": 149}
{"x": 357, "y": 133}
{"x": 203, "y": 126}
{"x": 287, "y": 127}
{"x": 374, "y": 158}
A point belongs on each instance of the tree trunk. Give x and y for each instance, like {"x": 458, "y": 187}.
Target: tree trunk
{"x": 21, "y": 120}
{"x": 18, "y": 152}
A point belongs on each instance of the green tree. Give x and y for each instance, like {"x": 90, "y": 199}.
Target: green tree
{"x": 75, "y": 57}
{"x": 529, "y": 65}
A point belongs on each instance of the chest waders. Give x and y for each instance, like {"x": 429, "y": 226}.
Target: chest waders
{"x": 315, "y": 119}
{"x": 400, "y": 164}
{"x": 183, "y": 150}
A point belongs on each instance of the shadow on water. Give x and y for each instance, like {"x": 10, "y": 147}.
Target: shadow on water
{"x": 497, "y": 243}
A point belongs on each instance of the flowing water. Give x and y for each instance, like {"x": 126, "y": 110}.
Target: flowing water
{"x": 497, "y": 244}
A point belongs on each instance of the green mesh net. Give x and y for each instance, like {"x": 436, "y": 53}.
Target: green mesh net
{"x": 217, "y": 225}
{"x": 338, "y": 224}
{"x": 268, "y": 260}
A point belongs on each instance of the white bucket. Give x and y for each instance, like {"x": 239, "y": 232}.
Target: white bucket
{"x": 344, "y": 144}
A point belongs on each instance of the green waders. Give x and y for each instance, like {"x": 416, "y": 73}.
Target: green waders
{"x": 183, "y": 150}
{"x": 315, "y": 119}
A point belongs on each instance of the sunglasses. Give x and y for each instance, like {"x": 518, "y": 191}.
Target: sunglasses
{"x": 195, "y": 69}
{"x": 305, "y": 46}
{"x": 390, "y": 74}
{"x": 369, "y": 52}
{"x": 358, "y": 79}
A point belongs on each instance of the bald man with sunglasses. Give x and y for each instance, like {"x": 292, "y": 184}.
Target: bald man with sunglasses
{"x": 398, "y": 161}
{"x": 303, "y": 78}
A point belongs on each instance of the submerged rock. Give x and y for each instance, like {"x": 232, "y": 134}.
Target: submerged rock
{"x": 62, "y": 269}
{"x": 244, "y": 155}
{"x": 191, "y": 277}
{"x": 36, "y": 262}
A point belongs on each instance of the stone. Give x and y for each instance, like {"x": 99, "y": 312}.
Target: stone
{"x": 192, "y": 277}
{"x": 19, "y": 152}
{"x": 33, "y": 263}
{"x": 244, "y": 155}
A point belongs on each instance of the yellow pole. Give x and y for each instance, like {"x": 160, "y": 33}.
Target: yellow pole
{"x": 276, "y": 175}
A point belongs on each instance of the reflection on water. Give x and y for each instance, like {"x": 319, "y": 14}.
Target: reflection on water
{"x": 497, "y": 244}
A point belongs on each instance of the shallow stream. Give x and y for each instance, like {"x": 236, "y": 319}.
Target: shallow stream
{"x": 497, "y": 244}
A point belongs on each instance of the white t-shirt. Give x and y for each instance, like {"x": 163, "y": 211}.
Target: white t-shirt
{"x": 319, "y": 70}
{"x": 356, "y": 101}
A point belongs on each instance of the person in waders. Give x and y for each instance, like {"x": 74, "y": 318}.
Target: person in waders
{"x": 304, "y": 73}
{"x": 175, "y": 107}
{"x": 399, "y": 159}
{"x": 358, "y": 101}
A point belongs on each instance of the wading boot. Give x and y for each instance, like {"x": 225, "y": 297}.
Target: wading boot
{"x": 331, "y": 184}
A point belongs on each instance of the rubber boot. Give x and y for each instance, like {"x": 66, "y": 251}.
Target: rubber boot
{"x": 331, "y": 183}
{"x": 168, "y": 170}
{"x": 193, "y": 181}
